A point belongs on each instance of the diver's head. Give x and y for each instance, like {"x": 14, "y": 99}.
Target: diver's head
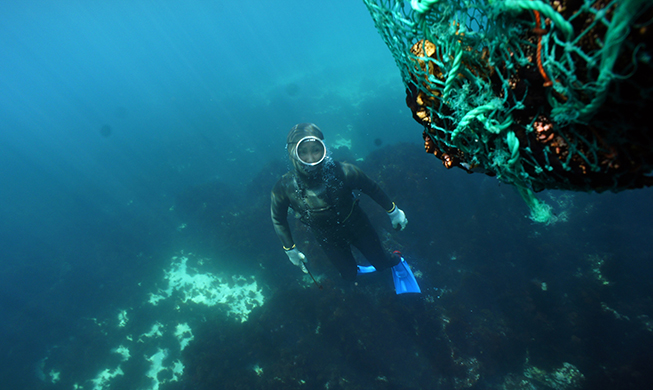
{"x": 306, "y": 150}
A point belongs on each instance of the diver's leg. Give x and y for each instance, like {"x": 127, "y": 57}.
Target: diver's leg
{"x": 339, "y": 253}
{"x": 364, "y": 237}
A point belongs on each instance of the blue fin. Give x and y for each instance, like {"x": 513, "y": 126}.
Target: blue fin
{"x": 404, "y": 279}
{"x": 365, "y": 269}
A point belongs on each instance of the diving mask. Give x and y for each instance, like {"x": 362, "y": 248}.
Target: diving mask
{"x": 310, "y": 151}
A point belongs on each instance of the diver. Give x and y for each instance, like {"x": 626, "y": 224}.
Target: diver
{"x": 320, "y": 190}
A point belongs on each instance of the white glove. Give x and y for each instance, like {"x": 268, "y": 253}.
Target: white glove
{"x": 398, "y": 219}
{"x": 297, "y": 258}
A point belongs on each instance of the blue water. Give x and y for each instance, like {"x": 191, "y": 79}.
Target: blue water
{"x": 132, "y": 132}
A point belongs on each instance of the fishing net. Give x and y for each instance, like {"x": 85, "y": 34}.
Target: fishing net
{"x": 544, "y": 95}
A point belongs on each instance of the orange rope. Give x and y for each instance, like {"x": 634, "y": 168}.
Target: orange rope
{"x": 539, "y": 31}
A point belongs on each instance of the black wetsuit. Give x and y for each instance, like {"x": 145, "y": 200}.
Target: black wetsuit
{"x": 327, "y": 204}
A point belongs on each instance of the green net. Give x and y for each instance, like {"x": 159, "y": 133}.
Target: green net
{"x": 544, "y": 95}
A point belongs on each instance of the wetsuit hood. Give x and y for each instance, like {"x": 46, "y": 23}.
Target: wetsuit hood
{"x": 296, "y": 134}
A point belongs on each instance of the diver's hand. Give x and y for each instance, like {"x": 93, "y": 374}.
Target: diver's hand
{"x": 398, "y": 219}
{"x": 297, "y": 258}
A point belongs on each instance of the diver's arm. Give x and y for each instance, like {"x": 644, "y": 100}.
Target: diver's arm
{"x": 357, "y": 179}
{"x": 279, "y": 213}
